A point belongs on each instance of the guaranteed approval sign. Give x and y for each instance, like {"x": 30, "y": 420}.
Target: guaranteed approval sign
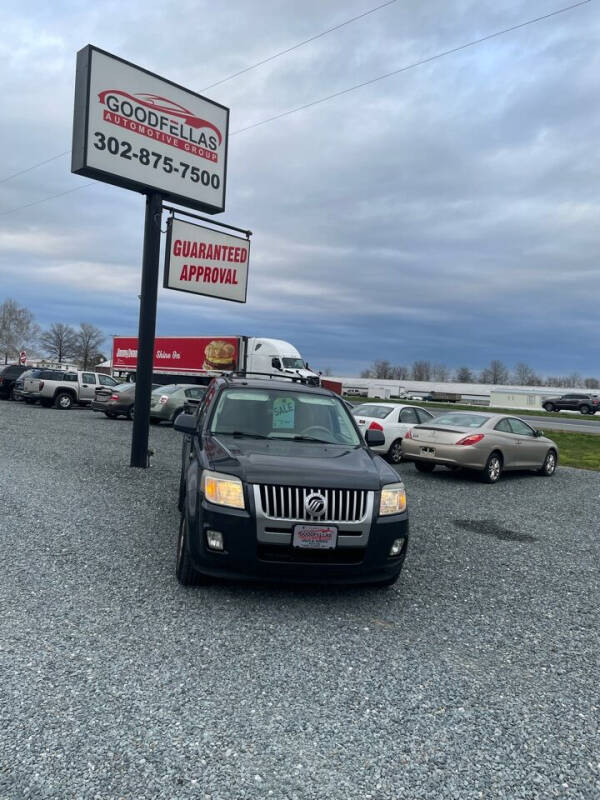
{"x": 134, "y": 129}
{"x": 203, "y": 261}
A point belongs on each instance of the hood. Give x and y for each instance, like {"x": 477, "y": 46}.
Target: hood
{"x": 290, "y": 463}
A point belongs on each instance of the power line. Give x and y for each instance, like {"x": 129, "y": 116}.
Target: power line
{"x": 340, "y": 93}
{"x": 409, "y": 66}
{"x": 300, "y": 44}
{"x": 234, "y": 75}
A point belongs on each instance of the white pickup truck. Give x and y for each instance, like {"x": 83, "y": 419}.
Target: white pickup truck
{"x": 63, "y": 389}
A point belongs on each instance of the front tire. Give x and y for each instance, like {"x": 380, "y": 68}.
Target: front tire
{"x": 424, "y": 466}
{"x": 63, "y": 401}
{"x": 129, "y": 413}
{"x": 394, "y": 454}
{"x": 493, "y": 468}
{"x": 187, "y": 575}
{"x": 549, "y": 407}
{"x": 548, "y": 468}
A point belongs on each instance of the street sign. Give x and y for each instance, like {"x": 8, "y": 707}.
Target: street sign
{"x": 204, "y": 261}
{"x": 137, "y": 130}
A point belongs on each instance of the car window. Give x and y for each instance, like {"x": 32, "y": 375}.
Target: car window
{"x": 277, "y": 413}
{"x": 88, "y": 377}
{"x": 372, "y": 410}
{"x": 503, "y": 426}
{"x": 169, "y": 389}
{"x": 409, "y": 415}
{"x": 66, "y": 376}
{"x": 106, "y": 380}
{"x": 462, "y": 419}
{"x": 424, "y": 416}
{"x": 196, "y": 392}
{"x": 520, "y": 427}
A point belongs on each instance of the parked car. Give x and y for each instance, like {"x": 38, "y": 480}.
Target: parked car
{"x": 116, "y": 401}
{"x": 488, "y": 443}
{"x": 277, "y": 483}
{"x": 393, "y": 419}
{"x": 8, "y": 376}
{"x": 62, "y": 388}
{"x": 584, "y": 403}
{"x": 167, "y": 402}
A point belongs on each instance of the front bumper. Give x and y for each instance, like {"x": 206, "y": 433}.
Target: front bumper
{"x": 246, "y": 557}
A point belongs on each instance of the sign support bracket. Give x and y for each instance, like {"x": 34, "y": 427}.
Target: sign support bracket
{"x": 212, "y": 221}
{"x": 147, "y": 326}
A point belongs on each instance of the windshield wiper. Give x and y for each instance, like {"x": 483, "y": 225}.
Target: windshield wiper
{"x": 299, "y": 438}
{"x": 246, "y": 434}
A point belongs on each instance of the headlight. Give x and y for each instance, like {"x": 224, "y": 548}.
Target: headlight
{"x": 393, "y": 499}
{"x": 223, "y": 490}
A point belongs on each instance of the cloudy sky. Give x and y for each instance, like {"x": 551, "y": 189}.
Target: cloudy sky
{"x": 448, "y": 212}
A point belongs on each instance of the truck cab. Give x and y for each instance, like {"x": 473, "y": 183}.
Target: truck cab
{"x": 277, "y": 357}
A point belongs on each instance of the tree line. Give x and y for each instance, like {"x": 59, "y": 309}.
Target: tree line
{"x": 495, "y": 373}
{"x": 60, "y": 342}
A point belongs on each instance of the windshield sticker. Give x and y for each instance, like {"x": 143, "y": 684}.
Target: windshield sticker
{"x": 283, "y": 413}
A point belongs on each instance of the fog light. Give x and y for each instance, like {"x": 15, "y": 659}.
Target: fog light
{"x": 396, "y": 547}
{"x": 215, "y": 540}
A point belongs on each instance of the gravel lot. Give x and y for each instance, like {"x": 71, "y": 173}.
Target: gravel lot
{"x": 475, "y": 677}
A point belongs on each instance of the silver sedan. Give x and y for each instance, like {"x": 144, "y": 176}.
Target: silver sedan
{"x": 488, "y": 443}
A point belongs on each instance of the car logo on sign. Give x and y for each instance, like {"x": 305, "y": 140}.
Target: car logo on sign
{"x": 315, "y": 504}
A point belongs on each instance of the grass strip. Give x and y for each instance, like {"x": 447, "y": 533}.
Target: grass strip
{"x": 580, "y": 450}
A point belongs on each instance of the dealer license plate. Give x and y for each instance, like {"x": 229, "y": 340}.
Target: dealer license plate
{"x": 316, "y": 537}
{"x": 428, "y": 451}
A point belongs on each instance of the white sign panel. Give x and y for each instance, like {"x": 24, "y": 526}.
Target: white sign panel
{"x": 204, "y": 261}
{"x": 137, "y": 130}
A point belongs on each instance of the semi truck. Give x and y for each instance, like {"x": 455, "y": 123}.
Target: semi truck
{"x": 197, "y": 359}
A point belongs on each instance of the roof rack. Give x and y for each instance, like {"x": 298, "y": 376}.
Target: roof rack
{"x": 242, "y": 373}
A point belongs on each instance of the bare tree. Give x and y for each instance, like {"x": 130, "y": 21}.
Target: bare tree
{"x": 17, "y": 329}
{"x": 366, "y": 373}
{"x": 421, "y": 371}
{"x": 89, "y": 342}
{"x": 440, "y": 372}
{"x": 574, "y": 379}
{"x": 382, "y": 369}
{"x": 60, "y": 341}
{"x": 464, "y": 375}
{"x": 400, "y": 372}
{"x": 525, "y": 376}
{"x": 496, "y": 373}
{"x": 327, "y": 372}
{"x": 591, "y": 383}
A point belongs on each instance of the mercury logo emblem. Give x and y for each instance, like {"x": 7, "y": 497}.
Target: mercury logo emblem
{"x": 315, "y": 504}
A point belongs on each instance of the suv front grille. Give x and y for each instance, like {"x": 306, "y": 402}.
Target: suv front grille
{"x": 289, "y": 503}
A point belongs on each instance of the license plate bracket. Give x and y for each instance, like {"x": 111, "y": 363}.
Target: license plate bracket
{"x": 315, "y": 537}
{"x": 428, "y": 451}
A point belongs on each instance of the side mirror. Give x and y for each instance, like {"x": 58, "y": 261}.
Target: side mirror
{"x": 374, "y": 438}
{"x": 185, "y": 423}
{"x": 538, "y": 433}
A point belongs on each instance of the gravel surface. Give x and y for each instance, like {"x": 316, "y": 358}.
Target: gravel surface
{"x": 475, "y": 677}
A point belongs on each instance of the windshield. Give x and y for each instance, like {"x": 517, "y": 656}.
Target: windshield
{"x": 460, "y": 419}
{"x": 369, "y": 410}
{"x": 281, "y": 414}
{"x": 293, "y": 363}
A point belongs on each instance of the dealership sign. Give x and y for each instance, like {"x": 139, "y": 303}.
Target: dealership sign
{"x": 205, "y": 261}
{"x": 134, "y": 129}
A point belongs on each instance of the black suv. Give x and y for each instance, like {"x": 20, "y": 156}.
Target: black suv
{"x": 8, "y": 376}
{"x": 278, "y": 484}
{"x": 585, "y": 403}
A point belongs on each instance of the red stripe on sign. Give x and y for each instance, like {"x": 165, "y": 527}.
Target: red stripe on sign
{"x": 159, "y": 136}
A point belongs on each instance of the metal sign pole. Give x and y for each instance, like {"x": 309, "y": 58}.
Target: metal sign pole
{"x": 147, "y": 325}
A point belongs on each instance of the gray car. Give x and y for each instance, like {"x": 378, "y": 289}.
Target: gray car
{"x": 167, "y": 402}
{"x": 488, "y": 443}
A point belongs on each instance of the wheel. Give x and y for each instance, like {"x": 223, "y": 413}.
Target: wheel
{"x": 46, "y": 403}
{"x": 129, "y": 413}
{"x": 548, "y": 468}
{"x": 63, "y": 401}
{"x": 424, "y": 466}
{"x": 585, "y": 409}
{"x": 186, "y": 574}
{"x": 394, "y": 454}
{"x": 492, "y": 469}
{"x": 110, "y": 415}
{"x": 548, "y": 407}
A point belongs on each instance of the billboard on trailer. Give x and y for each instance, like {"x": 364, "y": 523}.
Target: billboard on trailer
{"x": 204, "y": 261}
{"x": 176, "y": 354}
{"x": 137, "y": 130}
